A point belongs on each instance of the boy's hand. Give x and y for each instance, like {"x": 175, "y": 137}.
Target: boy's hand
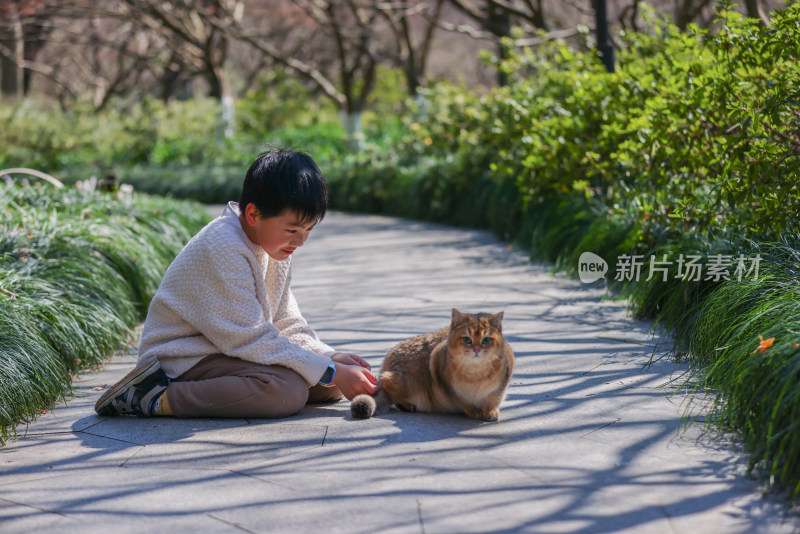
{"x": 352, "y": 379}
{"x": 350, "y": 359}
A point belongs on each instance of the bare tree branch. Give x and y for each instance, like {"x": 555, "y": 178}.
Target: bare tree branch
{"x": 468, "y": 31}
{"x": 409, "y": 53}
{"x": 46, "y": 70}
{"x": 550, "y": 36}
{"x": 306, "y": 70}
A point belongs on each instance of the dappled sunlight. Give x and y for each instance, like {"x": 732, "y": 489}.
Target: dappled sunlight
{"x": 591, "y": 436}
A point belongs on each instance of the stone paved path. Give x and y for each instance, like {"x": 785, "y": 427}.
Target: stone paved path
{"x": 590, "y": 438}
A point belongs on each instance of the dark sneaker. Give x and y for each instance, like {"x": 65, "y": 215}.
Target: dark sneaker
{"x": 135, "y": 394}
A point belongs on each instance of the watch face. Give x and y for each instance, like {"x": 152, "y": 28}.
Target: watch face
{"x": 327, "y": 375}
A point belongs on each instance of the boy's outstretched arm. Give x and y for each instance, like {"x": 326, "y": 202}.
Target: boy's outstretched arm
{"x": 350, "y": 359}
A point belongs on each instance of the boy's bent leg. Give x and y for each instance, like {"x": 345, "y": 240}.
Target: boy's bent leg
{"x": 221, "y": 386}
{"x": 320, "y": 394}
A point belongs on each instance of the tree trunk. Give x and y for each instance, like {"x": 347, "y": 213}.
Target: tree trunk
{"x": 755, "y": 11}
{"x": 227, "y": 100}
{"x": 214, "y": 83}
{"x": 351, "y": 121}
{"x": 11, "y": 74}
{"x": 228, "y": 116}
{"x": 34, "y": 36}
{"x": 499, "y": 23}
{"x": 410, "y": 63}
{"x": 8, "y": 70}
{"x": 682, "y": 10}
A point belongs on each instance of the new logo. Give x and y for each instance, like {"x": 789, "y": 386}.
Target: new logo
{"x": 591, "y": 267}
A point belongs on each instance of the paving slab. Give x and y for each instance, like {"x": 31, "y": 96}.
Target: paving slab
{"x": 592, "y": 437}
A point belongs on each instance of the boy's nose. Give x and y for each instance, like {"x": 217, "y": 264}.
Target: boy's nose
{"x": 299, "y": 239}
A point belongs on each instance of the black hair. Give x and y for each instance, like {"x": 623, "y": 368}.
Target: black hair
{"x": 281, "y": 179}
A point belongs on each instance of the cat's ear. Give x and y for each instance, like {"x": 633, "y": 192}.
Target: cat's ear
{"x": 496, "y": 321}
{"x": 458, "y": 318}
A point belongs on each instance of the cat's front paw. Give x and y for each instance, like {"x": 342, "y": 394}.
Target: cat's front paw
{"x": 407, "y": 407}
{"x": 490, "y": 415}
{"x": 484, "y": 415}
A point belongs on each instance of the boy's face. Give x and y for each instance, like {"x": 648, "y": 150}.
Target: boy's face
{"x": 279, "y": 236}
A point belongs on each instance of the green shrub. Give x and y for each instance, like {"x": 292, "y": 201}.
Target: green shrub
{"x": 189, "y": 133}
{"x": 280, "y": 101}
{"x": 36, "y": 134}
{"x": 77, "y": 272}
{"x": 209, "y": 184}
{"x": 695, "y": 133}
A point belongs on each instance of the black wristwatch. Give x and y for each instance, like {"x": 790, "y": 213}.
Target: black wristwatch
{"x": 327, "y": 376}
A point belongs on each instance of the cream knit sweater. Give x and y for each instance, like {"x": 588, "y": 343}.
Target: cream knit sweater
{"x": 224, "y": 294}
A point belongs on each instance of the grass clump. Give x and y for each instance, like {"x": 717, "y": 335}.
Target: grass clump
{"x": 745, "y": 337}
{"x": 77, "y": 272}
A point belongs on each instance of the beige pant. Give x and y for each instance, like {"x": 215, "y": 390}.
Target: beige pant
{"x": 221, "y": 386}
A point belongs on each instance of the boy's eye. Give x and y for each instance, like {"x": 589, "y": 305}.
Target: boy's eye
{"x": 467, "y": 340}
{"x": 485, "y": 341}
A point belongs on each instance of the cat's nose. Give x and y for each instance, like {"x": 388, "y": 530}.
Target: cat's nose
{"x": 476, "y": 350}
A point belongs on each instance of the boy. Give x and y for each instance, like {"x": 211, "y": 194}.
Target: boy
{"x": 223, "y": 335}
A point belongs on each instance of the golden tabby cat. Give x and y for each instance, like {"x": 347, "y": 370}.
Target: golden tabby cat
{"x": 461, "y": 369}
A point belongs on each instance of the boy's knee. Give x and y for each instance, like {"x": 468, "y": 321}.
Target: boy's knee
{"x": 293, "y": 400}
{"x": 285, "y": 395}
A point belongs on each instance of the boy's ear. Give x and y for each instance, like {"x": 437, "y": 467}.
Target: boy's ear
{"x": 251, "y": 214}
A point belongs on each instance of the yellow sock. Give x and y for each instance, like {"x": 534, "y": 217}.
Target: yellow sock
{"x": 163, "y": 407}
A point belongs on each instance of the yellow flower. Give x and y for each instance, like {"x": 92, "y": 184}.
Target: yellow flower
{"x": 428, "y": 141}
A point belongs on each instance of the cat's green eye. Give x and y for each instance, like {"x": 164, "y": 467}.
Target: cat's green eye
{"x": 467, "y": 340}
{"x": 485, "y": 341}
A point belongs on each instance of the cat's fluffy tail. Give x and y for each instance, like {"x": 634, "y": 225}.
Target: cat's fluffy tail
{"x": 365, "y": 406}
